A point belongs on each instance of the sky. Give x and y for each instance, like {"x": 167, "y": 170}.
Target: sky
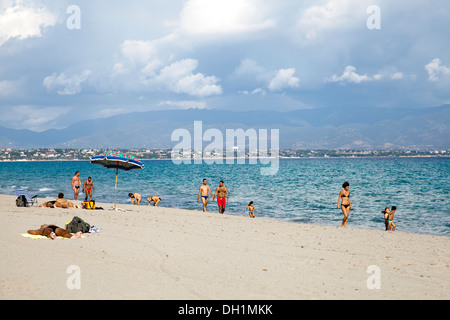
{"x": 66, "y": 61}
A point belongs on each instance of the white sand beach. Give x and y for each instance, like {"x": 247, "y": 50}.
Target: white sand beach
{"x": 162, "y": 253}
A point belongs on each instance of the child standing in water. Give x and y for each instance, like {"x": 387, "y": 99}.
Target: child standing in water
{"x": 251, "y": 209}
{"x": 386, "y": 216}
{"x": 391, "y": 225}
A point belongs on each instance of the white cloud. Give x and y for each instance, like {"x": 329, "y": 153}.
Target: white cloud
{"x": 231, "y": 17}
{"x": 185, "y": 104}
{"x": 284, "y": 79}
{"x": 397, "y": 76}
{"x": 20, "y": 20}
{"x": 255, "y": 91}
{"x": 138, "y": 51}
{"x": 31, "y": 117}
{"x": 179, "y": 77}
{"x": 351, "y": 76}
{"x": 435, "y": 69}
{"x": 330, "y": 16}
{"x": 7, "y": 88}
{"x": 69, "y": 85}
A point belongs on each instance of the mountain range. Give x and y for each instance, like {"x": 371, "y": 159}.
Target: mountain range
{"x": 321, "y": 128}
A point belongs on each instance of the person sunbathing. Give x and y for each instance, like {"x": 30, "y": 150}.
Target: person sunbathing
{"x": 52, "y": 231}
{"x": 61, "y": 202}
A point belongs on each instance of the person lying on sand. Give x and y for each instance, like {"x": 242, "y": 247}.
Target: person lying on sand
{"x": 51, "y": 231}
{"x": 61, "y": 202}
{"x": 135, "y": 198}
{"x": 155, "y": 199}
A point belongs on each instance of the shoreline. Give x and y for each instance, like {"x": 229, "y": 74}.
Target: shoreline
{"x": 235, "y": 214}
{"x": 151, "y": 252}
{"x": 236, "y": 158}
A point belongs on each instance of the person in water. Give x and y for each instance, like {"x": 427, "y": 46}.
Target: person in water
{"x": 386, "y": 216}
{"x": 391, "y": 224}
{"x": 204, "y": 193}
{"x": 346, "y": 205}
{"x": 251, "y": 209}
{"x": 52, "y": 231}
{"x": 135, "y": 198}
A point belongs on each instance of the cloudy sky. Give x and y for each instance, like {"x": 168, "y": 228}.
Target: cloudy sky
{"x": 60, "y": 63}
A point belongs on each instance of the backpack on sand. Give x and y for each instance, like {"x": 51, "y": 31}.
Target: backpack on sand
{"x": 77, "y": 224}
{"x": 21, "y": 201}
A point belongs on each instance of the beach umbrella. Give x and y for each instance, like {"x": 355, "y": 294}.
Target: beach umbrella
{"x": 117, "y": 160}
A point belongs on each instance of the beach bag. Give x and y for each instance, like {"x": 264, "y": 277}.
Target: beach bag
{"x": 89, "y": 205}
{"x": 78, "y": 224}
{"x": 21, "y": 201}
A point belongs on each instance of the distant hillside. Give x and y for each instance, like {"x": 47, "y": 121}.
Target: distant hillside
{"x": 325, "y": 128}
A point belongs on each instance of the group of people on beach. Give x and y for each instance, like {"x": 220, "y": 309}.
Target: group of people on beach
{"x": 87, "y": 187}
{"x": 346, "y": 206}
{"x": 221, "y": 196}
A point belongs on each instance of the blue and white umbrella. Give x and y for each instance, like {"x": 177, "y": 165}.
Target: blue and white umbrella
{"x": 117, "y": 160}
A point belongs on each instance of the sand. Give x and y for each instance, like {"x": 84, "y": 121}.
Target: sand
{"x": 163, "y": 253}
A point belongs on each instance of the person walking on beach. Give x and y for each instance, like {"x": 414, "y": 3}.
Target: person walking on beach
{"x": 88, "y": 189}
{"x": 251, "y": 209}
{"x": 346, "y": 205}
{"x": 390, "y": 221}
{"x": 135, "y": 198}
{"x": 221, "y": 192}
{"x": 204, "y": 192}
{"x": 76, "y": 184}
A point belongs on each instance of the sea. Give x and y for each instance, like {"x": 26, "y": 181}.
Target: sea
{"x": 302, "y": 191}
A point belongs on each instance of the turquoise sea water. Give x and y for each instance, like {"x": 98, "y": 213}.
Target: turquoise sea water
{"x": 303, "y": 190}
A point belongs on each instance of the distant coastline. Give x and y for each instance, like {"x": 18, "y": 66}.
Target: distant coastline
{"x": 58, "y": 155}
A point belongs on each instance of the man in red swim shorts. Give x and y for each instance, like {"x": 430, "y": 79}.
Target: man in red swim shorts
{"x": 221, "y": 192}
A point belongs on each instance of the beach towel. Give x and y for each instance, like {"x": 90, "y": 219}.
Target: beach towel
{"x": 36, "y": 237}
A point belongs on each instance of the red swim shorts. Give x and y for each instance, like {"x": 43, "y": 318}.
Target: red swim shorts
{"x": 221, "y": 202}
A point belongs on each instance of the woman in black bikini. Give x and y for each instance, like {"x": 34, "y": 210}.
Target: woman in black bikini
{"x": 51, "y": 231}
{"x": 346, "y": 206}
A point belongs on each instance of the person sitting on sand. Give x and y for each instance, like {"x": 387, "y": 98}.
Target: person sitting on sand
{"x": 136, "y": 198}
{"x": 155, "y": 199}
{"x": 391, "y": 225}
{"x": 51, "y": 231}
{"x": 59, "y": 203}
{"x": 251, "y": 209}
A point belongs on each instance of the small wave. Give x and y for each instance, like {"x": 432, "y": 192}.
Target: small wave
{"x": 46, "y": 189}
